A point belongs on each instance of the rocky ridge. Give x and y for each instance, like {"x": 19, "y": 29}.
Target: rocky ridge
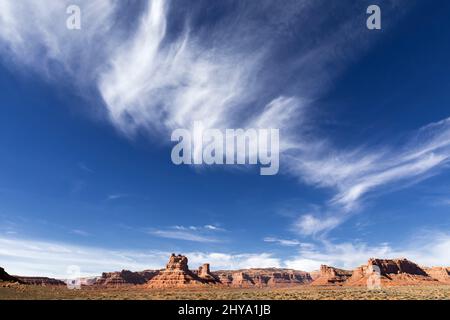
{"x": 441, "y": 274}
{"x": 392, "y": 272}
{"x": 268, "y": 277}
{"x": 4, "y": 276}
{"x": 41, "y": 281}
{"x": 125, "y": 277}
{"x": 388, "y": 272}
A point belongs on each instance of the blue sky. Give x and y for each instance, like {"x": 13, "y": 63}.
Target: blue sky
{"x": 86, "y": 176}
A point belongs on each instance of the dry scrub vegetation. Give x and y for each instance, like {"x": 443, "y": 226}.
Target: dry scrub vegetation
{"x": 14, "y": 291}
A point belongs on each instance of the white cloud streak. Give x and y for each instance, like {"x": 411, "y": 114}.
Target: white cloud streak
{"x": 80, "y": 232}
{"x": 205, "y": 234}
{"x": 283, "y": 242}
{"x": 354, "y": 174}
{"x": 182, "y": 235}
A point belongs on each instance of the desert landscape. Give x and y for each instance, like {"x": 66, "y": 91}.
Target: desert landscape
{"x": 379, "y": 279}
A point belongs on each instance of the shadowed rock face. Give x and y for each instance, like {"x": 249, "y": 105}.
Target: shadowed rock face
{"x": 396, "y": 266}
{"x": 4, "y": 276}
{"x": 331, "y": 276}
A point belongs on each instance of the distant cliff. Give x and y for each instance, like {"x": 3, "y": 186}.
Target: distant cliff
{"x": 4, "y": 276}
{"x": 389, "y": 272}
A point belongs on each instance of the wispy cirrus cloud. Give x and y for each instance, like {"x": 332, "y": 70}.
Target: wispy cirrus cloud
{"x": 205, "y": 233}
{"x": 310, "y": 225}
{"x": 85, "y": 168}
{"x": 359, "y": 173}
{"x": 283, "y": 242}
{"x": 80, "y": 232}
{"x": 116, "y": 196}
{"x": 151, "y": 78}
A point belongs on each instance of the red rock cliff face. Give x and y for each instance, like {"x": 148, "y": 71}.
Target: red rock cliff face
{"x": 178, "y": 275}
{"x": 41, "y": 281}
{"x": 125, "y": 277}
{"x": 270, "y": 277}
{"x": 205, "y": 274}
{"x": 441, "y": 274}
{"x": 397, "y": 266}
{"x": 392, "y": 272}
{"x": 331, "y": 276}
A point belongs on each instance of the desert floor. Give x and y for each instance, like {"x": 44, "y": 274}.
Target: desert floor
{"x": 13, "y": 291}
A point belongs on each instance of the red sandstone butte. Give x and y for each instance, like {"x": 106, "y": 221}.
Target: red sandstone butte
{"x": 392, "y": 272}
{"x": 178, "y": 275}
{"x": 331, "y": 276}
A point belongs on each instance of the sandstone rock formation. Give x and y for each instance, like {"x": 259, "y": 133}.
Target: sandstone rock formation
{"x": 441, "y": 274}
{"x": 41, "y": 281}
{"x": 331, "y": 276}
{"x": 269, "y": 277}
{"x": 238, "y": 279}
{"x": 178, "y": 275}
{"x": 392, "y": 272}
{"x": 205, "y": 274}
{"x": 314, "y": 274}
{"x": 4, "y": 276}
{"x": 125, "y": 277}
{"x": 389, "y": 272}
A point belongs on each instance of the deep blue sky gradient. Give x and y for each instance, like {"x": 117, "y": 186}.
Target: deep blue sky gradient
{"x": 60, "y": 159}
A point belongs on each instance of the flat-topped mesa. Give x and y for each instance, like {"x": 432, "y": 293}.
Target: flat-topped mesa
{"x": 396, "y": 266}
{"x": 392, "y": 272}
{"x": 41, "y": 281}
{"x": 268, "y": 277}
{"x": 125, "y": 277}
{"x": 178, "y": 275}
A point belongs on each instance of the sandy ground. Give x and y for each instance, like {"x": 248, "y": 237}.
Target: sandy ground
{"x": 14, "y": 291}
